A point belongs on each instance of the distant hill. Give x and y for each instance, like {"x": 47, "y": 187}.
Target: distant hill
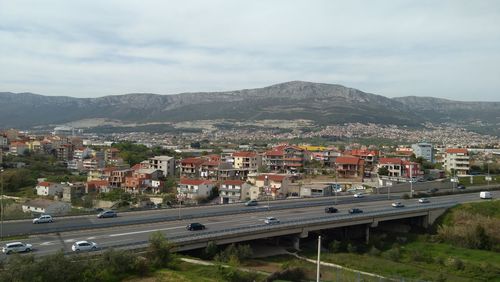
{"x": 319, "y": 102}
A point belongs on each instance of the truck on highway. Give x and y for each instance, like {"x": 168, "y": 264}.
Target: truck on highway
{"x": 485, "y": 195}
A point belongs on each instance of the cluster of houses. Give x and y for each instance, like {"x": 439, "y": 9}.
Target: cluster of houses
{"x": 238, "y": 175}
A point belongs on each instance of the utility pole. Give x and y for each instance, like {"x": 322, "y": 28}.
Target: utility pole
{"x": 319, "y": 255}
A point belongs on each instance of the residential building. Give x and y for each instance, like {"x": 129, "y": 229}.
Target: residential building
{"x": 110, "y": 154}
{"x": 316, "y": 190}
{"x": 368, "y": 156}
{"x": 349, "y": 166}
{"x": 285, "y": 158}
{"x": 45, "y": 188}
{"x": 275, "y": 185}
{"x": 400, "y": 168}
{"x": 64, "y": 152}
{"x": 17, "y": 148}
{"x": 34, "y": 146}
{"x": 248, "y": 160}
{"x": 249, "y": 192}
{"x": 457, "y": 161}
{"x": 423, "y": 150}
{"x": 117, "y": 178}
{"x": 190, "y": 167}
{"x": 164, "y": 163}
{"x": 72, "y": 191}
{"x": 194, "y": 189}
{"x": 4, "y": 142}
{"x": 97, "y": 186}
{"x": 230, "y": 191}
{"x": 44, "y": 206}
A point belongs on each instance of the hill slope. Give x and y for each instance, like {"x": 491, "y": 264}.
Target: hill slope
{"x": 322, "y": 103}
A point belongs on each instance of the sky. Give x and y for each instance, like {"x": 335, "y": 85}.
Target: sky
{"x": 446, "y": 49}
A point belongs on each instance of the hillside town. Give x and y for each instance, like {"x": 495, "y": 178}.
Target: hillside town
{"x": 232, "y": 174}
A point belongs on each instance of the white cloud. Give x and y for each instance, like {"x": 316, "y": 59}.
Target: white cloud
{"x": 393, "y": 48}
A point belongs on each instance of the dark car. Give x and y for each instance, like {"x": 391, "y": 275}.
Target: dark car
{"x": 355, "y": 210}
{"x": 195, "y": 226}
{"x": 331, "y": 210}
{"x": 460, "y": 186}
{"x": 106, "y": 214}
{"x": 433, "y": 190}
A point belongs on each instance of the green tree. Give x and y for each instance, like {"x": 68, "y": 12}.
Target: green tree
{"x": 383, "y": 171}
{"x": 159, "y": 250}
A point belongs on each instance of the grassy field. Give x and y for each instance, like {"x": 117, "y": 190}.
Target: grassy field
{"x": 479, "y": 180}
{"x": 188, "y": 272}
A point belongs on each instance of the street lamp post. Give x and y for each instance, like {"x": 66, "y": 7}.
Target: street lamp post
{"x": 266, "y": 187}
{"x": 1, "y": 205}
{"x": 336, "y": 184}
{"x": 411, "y": 181}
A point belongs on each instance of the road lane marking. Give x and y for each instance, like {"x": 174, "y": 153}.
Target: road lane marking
{"x": 69, "y": 240}
{"x": 47, "y": 243}
{"x": 143, "y": 231}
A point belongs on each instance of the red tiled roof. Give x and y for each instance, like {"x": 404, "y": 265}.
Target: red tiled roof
{"x": 456, "y": 151}
{"x": 348, "y": 160}
{"x": 44, "y": 184}
{"x": 274, "y": 153}
{"x": 136, "y": 167}
{"x": 233, "y": 182}
{"x": 362, "y": 153}
{"x": 194, "y": 181}
{"x": 390, "y": 161}
{"x": 405, "y": 153}
{"x": 211, "y": 163}
{"x": 244, "y": 154}
{"x": 272, "y": 177}
{"x": 196, "y": 161}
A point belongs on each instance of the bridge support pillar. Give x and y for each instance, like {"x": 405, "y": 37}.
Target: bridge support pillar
{"x": 425, "y": 222}
{"x": 367, "y": 233}
{"x": 296, "y": 242}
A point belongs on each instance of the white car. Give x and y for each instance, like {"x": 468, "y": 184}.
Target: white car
{"x": 423, "y": 200}
{"x": 16, "y": 247}
{"x": 397, "y": 205}
{"x": 43, "y": 219}
{"x": 358, "y": 195}
{"x": 84, "y": 246}
{"x": 271, "y": 220}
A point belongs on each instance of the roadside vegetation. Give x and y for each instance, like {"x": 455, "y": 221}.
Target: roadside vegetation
{"x": 464, "y": 247}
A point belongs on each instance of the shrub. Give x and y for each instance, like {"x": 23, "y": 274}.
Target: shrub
{"x": 335, "y": 246}
{"x": 352, "y": 248}
{"x": 211, "y": 250}
{"x": 374, "y": 251}
{"x": 241, "y": 252}
{"x": 393, "y": 254}
{"x": 290, "y": 274}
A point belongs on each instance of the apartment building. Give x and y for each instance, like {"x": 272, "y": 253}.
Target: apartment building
{"x": 423, "y": 150}
{"x": 457, "y": 161}
{"x": 164, "y": 163}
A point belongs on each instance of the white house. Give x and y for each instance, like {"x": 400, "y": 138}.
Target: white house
{"x": 46, "y": 207}
{"x": 194, "y": 189}
{"x": 230, "y": 191}
{"x": 48, "y": 188}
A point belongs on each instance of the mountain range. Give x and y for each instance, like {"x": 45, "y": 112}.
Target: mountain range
{"x": 319, "y": 102}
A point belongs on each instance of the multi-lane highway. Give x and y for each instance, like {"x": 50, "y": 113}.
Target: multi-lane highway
{"x": 139, "y": 233}
{"x": 61, "y": 224}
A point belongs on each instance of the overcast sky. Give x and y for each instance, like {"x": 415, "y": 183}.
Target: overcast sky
{"x": 448, "y": 49}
